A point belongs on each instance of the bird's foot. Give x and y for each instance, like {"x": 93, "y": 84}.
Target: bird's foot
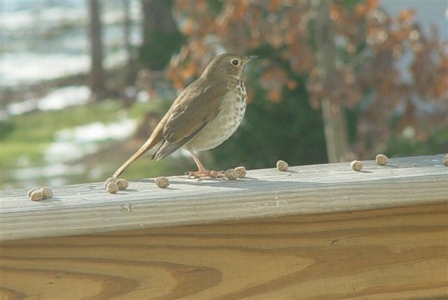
{"x": 205, "y": 174}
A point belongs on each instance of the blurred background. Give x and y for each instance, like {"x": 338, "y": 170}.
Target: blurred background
{"x": 84, "y": 82}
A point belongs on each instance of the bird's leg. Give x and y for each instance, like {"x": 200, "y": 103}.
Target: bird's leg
{"x": 202, "y": 171}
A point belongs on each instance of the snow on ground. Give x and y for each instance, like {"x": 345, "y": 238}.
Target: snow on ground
{"x": 54, "y": 100}
{"x": 21, "y": 67}
{"x": 74, "y": 143}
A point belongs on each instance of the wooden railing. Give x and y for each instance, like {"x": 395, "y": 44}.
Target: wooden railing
{"x": 313, "y": 232}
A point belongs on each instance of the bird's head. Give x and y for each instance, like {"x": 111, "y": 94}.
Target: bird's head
{"x": 227, "y": 64}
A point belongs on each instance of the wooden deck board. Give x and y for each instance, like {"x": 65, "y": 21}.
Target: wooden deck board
{"x": 388, "y": 253}
{"x": 88, "y": 208}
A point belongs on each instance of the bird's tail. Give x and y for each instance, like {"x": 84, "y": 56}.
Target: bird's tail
{"x": 150, "y": 143}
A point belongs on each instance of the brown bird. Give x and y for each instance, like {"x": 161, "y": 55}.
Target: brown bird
{"x": 203, "y": 116}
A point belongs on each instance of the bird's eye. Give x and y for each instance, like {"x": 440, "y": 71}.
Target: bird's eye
{"x": 235, "y": 62}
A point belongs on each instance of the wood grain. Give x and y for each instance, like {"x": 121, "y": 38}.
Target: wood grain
{"x": 390, "y": 253}
{"x": 87, "y": 208}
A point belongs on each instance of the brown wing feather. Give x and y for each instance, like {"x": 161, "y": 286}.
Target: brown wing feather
{"x": 198, "y": 107}
{"x": 155, "y": 138}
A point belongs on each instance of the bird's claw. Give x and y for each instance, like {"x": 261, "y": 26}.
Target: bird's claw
{"x": 206, "y": 174}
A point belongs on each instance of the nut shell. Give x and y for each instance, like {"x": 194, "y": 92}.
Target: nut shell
{"x": 381, "y": 159}
{"x": 162, "y": 182}
{"x": 231, "y": 174}
{"x": 356, "y": 165}
{"x": 112, "y": 188}
{"x": 110, "y": 179}
{"x": 30, "y": 191}
{"x": 240, "y": 171}
{"x": 36, "y": 195}
{"x": 122, "y": 184}
{"x": 46, "y": 192}
{"x": 282, "y": 165}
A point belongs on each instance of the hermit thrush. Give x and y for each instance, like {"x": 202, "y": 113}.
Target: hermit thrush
{"x": 203, "y": 116}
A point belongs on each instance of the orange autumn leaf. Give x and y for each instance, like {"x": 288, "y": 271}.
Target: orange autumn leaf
{"x": 273, "y": 5}
{"x": 361, "y": 10}
{"x": 189, "y": 70}
{"x": 275, "y": 95}
{"x": 372, "y": 4}
{"x": 291, "y": 84}
{"x": 406, "y": 15}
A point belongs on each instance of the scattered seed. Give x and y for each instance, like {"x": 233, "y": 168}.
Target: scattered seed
{"x": 46, "y": 192}
{"x": 110, "y": 179}
{"x": 282, "y": 165}
{"x": 162, "y": 182}
{"x": 30, "y": 191}
{"x": 36, "y": 195}
{"x": 231, "y": 174}
{"x": 381, "y": 159}
{"x": 356, "y": 165}
{"x": 112, "y": 188}
{"x": 240, "y": 171}
{"x": 122, "y": 184}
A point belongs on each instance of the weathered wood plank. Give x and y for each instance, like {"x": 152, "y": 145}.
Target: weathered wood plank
{"x": 390, "y": 253}
{"x": 87, "y": 208}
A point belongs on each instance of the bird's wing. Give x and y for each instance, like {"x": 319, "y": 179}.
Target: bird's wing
{"x": 196, "y": 107}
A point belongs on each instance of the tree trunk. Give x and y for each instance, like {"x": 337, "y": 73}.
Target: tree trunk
{"x": 131, "y": 68}
{"x": 161, "y": 38}
{"x": 96, "y": 72}
{"x": 335, "y": 125}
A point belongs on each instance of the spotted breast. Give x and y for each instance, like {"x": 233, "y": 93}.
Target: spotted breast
{"x": 226, "y": 122}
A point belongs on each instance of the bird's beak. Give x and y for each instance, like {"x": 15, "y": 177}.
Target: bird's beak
{"x": 249, "y": 58}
